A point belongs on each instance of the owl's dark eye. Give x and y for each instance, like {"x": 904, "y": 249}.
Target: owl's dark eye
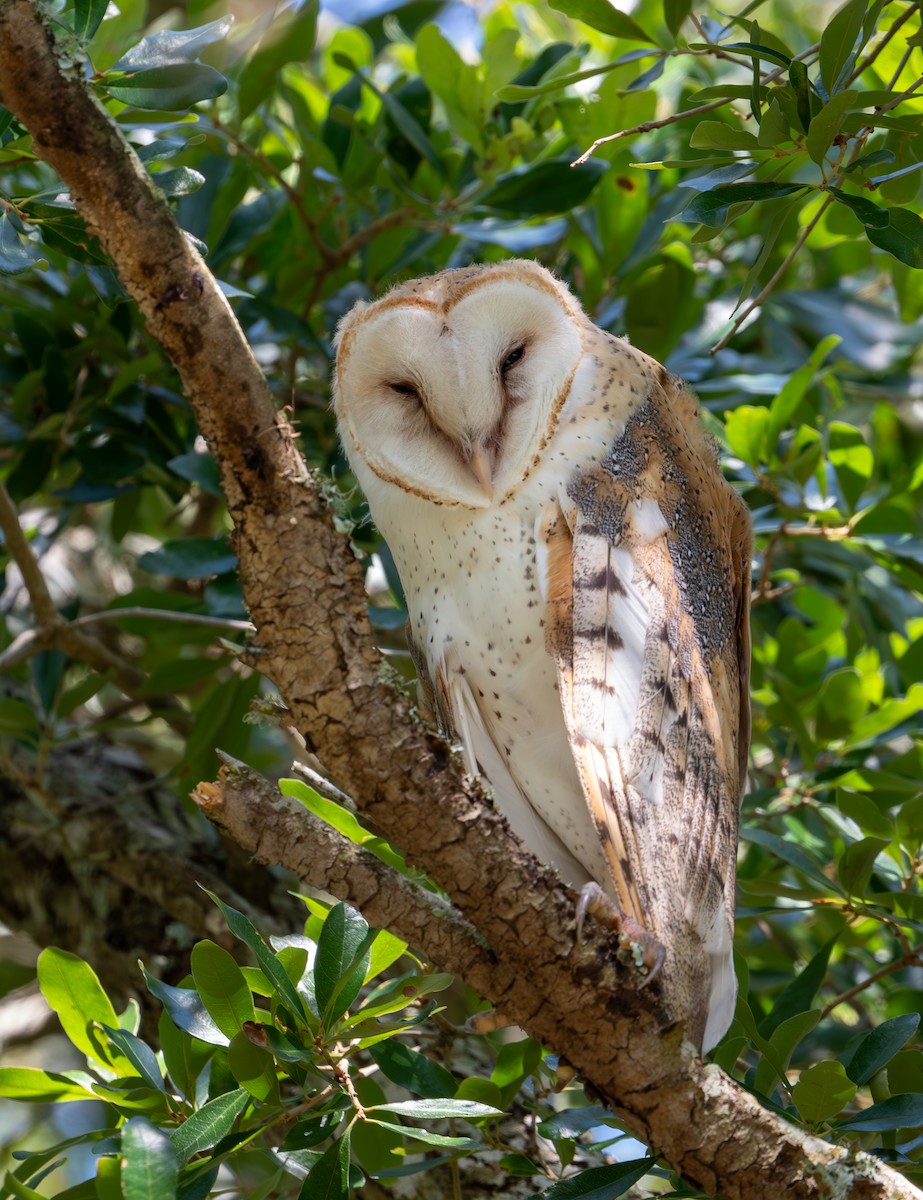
{"x": 512, "y": 359}
{"x": 405, "y": 389}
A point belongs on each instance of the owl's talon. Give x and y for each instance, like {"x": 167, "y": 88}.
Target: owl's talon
{"x": 636, "y": 946}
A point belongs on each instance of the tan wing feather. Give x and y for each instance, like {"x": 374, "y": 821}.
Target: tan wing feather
{"x": 648, "y": 586}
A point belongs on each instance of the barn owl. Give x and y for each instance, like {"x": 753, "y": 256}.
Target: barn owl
{"x": 577, "y": 574}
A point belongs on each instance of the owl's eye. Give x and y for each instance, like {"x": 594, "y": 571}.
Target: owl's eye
{"x": 512, "y": 359}
{"x": 405, "y": 389}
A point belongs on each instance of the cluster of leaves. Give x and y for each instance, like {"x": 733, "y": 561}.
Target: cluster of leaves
{"x": 257, "y": 1065}
{"x": 313, "y": 175}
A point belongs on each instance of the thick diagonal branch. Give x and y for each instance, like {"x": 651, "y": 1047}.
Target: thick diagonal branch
{"x": 305, "y": 594}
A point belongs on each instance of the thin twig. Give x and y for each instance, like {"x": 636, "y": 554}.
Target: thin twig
{"x": 770, "y": 286}
{"x": 23, "y": 555}
{"x": 910, "y": 959}
{"x": 166, "y": 614}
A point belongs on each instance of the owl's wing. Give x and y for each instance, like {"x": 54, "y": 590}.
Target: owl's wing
{"x": 646, "y": 565}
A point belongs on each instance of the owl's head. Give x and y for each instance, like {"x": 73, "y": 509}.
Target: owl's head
{"x": 449, "y": 386}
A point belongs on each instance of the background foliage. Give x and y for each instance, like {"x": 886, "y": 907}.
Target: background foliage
{"x": 767, "y": 246}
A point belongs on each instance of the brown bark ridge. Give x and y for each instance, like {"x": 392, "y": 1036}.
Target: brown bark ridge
{"x": 306, "y": 598}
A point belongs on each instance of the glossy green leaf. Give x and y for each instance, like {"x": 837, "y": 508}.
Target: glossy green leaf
{"x": 437, "y": 1110}
{"x": 798, "y": 996}
{"x": 343, "y": 951}
{"x": 878, "y": 1047}
{"x": 599, "y": 1183}
{"x": 412, "y": 1070}
{"x": 222, "y": 986}
{"x": 785, "y": 405}
{"x": 209, "y": 1124}
{"x": 172, "y": 88}
{"x": 73, "y": 991}
{"x": 88, "y": 15}
{"x": 149, "y": 1162}
{"x": 746, "y": 428}
{"x": 852, "y": 459}
{"x": 838, "y": 43}
{"x": 190, "y": 558}
{"x": 827, "y": 123}
{"x": 712, "y": 208}
{"x": 822, "y": 1091}
{"x": 244, "y": 929}
{"x": 551, "y": 186}
{"x": 169, "y": 47}
{"x": 902, "y": 237}
{"x": 253, "y": 1068}
{"x": 139, "y": 1054}
{"x": 872, "y": 215}
{"x": 186, "y": 1010}
{"x": 29, "y": 1083}
{"x": 600, "y": 15}
{"x": 897, "y": 1112}
{"x": 329, "y": 1178}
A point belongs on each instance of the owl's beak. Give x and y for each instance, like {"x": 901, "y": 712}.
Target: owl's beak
{"x": 481, "y": 459}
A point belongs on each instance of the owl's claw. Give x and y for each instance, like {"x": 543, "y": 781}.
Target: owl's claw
{"x": 636, "y": 945}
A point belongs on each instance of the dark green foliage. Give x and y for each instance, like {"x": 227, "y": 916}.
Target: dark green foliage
{"x": 776, "y": 225}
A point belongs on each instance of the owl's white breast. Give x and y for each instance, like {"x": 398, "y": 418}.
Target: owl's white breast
{"x": 477, "y": 614}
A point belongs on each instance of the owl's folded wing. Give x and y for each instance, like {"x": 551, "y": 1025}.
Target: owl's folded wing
{"x": 647, "y": 578}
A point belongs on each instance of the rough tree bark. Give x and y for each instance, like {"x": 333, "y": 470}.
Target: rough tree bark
{"x": 305, "y": 594}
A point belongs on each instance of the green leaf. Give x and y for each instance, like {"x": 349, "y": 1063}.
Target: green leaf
{"x": 27, "y": 1083}
{"x": 905, "y": 1072}
{"x": 385, "y": 950}
{"x": 604, "y": 17}
{"x": 838, "y": 43}
{"x": 877, "y": 1047}
{"x": 801, "y": 86}
{"x": 190, "y": 558}
{"x": 745, "y": 429}
{"x": 754, "y": 49}
{"x": 139, "y": 1054}
{"x": 17, "y": 252}
{"x": 149, "y": 1163}
{"x": 798, "y": 996}
{"x": 903, "y": 236}
{"x": 169, "y": 47}
{"x": 186, "y": 1010}
{"x": 716, "y": 135}
{"x": 897, "y": 1112}
{"x": 343, "y": 950}
{"x": 822, "y": 1091}
{"x": 858, "y": 861}
{"x": 481, "y": 1091}
{"x": 872, "y": 216}
{"x": 675, "y": 13}
{"x": 551, "y": 186}
{"x": 88, "y": 15}
{"x": 785, "y": 1038}
{"x": 221, "y": 984}
{"x": 253, "y": 1068}
{"x": 172, "y": 88}
{"x": 73, "y": 990}
{"x": 436, "y": 1110}
{"x": 411, "y": 1070}
{"x": 785, "y": 405}
{"x": 573, "y": 1122}
{"x": 329, "y": 1178}
{"x": 244, "y": 929}
{"x": 827, "y": 123}
{"x": 180, "y": 181}
{"x": 853, "y": 461}
{"x": 212, "y": 1122}
{"x": 599, "y": 1183}
{"x": 454, "y": 81}
{"x": 428, "y": 1138}
{"x": 711, "y": 208}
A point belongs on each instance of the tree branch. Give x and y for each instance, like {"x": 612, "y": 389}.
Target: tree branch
{"x": 316, "y": 647}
